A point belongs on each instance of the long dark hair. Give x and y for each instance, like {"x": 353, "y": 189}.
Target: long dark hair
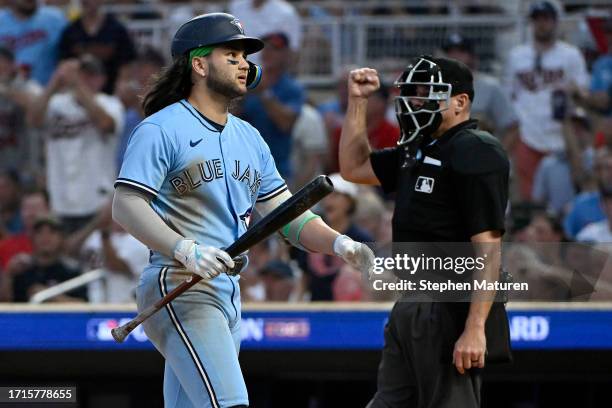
{"x": 172, "y": 85}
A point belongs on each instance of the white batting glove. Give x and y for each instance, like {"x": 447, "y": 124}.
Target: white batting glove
{"x": 206, "y": 261}
{"x": 356, "y": 254}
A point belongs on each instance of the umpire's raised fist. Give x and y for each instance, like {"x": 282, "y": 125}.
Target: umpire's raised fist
{"x": 363, "y": 82}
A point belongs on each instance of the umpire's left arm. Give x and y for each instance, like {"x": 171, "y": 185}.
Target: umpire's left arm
{"x": 480, "y": 169}
{"x": 470, "y": 349}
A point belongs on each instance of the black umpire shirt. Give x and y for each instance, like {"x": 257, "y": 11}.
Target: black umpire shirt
{"x": 457, "y": 189}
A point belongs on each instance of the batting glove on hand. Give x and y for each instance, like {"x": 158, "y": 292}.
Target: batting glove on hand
{"x": 206, "y": 261}
{"x": 356, "y": 254}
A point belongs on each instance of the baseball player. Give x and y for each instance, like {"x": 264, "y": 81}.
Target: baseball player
{"x": 191, "y": 176}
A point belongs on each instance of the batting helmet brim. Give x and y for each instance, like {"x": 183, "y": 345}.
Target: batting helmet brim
{"x": 251, "y": 44}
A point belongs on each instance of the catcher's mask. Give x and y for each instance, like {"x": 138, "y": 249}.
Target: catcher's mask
{"x": 418, "y": 107}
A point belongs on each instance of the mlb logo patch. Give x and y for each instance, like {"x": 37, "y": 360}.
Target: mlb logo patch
{"x": 424, "y": 185}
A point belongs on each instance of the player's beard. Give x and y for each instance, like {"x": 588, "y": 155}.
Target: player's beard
{"x": 223, "y": 84}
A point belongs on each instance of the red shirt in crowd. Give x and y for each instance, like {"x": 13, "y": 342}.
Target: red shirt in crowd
{"x": 13, "y": 245}
{"x": 383, "y": 135}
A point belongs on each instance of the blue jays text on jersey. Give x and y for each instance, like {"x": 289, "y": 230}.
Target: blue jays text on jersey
{"x": 209, "y": 170}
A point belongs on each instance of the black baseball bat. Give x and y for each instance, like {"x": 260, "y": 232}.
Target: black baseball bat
{"x": 295, "y": 206}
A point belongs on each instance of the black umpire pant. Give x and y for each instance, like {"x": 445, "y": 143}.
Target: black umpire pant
{"x": 416, "y": 369}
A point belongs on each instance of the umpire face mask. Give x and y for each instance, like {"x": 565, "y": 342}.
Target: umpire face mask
{"x": 417, "y": 107}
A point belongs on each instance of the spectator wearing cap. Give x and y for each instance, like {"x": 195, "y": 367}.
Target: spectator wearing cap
{"x": 278, "y": 280}
{"x": 274, "y": 106}
{"x": 46, "y": 267}
{"x": 32, "y": 33}
{"x": 559, "y": 176}
{"x": 81, "y": 125}
{"x": 381, "y": 132}
{"x": 599, "y": 96}
{"x": 536, "y": 71}
{"x": 320, "y": 271}
{"x": 101, "y": 35}
{"x": 492, "y": 107}
{"x": 16, "y": 95}
{"x": 264, "y": 17}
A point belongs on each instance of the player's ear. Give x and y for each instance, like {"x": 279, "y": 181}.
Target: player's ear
{"x": 199, "y": 65}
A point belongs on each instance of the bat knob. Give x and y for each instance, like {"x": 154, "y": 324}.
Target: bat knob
{"x": 119, "y": 334}
{"x": 240, "y": 263}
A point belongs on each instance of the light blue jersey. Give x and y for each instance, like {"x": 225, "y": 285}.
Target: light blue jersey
{"x": 34, "y": 41}
{"x": 205, "y": 180}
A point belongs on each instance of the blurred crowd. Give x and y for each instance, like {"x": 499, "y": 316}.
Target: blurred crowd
{"x": 71, "y": 84}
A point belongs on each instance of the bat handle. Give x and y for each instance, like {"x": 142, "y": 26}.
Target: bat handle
{"x": 120, "y": 333}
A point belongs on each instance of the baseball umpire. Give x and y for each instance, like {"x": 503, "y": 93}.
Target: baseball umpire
{"x": 191, "y": 176}
{"x": 451, "y": 184}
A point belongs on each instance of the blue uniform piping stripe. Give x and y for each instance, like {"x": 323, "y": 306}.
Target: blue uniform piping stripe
{"x": 195, "y": 116}
{"x": 136, "y": 184}
{"x": 190, "y": 349}
{"x": 272, "y": 193}
{"x": 232, "y": 298}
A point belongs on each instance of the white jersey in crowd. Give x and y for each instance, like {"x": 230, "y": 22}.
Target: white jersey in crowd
{"x": 531, "y": 90}
{"x": 80, "y": 159}
{"x": 273, "y": 16}
{"x": 118, "y": 287}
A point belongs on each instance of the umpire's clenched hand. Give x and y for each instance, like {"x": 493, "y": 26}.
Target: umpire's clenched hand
{"x": 470, "y": 349}
{"x": 363, "y": 82}
{"x": 206, "y": 261}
